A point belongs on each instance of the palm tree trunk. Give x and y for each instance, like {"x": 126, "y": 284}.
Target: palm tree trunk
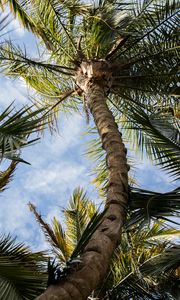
{"x": 97, "y": 254}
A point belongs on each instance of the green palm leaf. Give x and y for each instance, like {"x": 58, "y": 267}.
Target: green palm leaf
{"x": 145, "y": 205}
{"x": 90, "y": 228}
{"x": 55, "y": 236}
{"x": 22, "y": 273}
{"x": 15, "y": 128}
{"x": 167, "y": 260}
{"x": 154, "y": 133}
{"x": 78, "y": 213}
{"x": 129, "y": 276}
{"x": 6, "y": 176}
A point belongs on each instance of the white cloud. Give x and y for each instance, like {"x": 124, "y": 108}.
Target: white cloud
{"x": 69, "y": 135}
{"x": 12, "y": 90}
{"x": 14, "y": 214}
{"x": 17, "y": 28}
{"x": 53, "y": 178}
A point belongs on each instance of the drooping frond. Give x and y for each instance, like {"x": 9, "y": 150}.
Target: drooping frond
{"x": 22, "y": 273}
{"x": 19, "y": 11}
{"x": 147, "y": 64}
{"x": 167, "y": 260}
{"x": 15, "y": 129}
{"x": 15, "y": 61}
{"x": 151, "y": 21}
{"x": 49, "y": 80}
{"x": 161, "y": 138}
{"x": 145, "y": 205}
{"x": 153, "y": 131}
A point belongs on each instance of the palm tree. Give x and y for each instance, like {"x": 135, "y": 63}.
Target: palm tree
{"x": 142, "y": 261}
{"x": 22, "y": 273}
{"x": 108, "y": 55}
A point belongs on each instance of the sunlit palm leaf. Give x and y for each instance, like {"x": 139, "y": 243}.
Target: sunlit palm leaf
{"x": 78, "y": 213}
{"x": 88, "y": 232}
{"x": 137, "y": 247}
{"x": 6, "y": 176}
{"x": 55, "y": 236}
{"x": 55, "y": 90}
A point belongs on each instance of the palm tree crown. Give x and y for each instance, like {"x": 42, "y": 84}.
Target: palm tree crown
{"x": 131, "y": 48}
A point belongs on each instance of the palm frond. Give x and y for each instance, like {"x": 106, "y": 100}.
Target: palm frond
{"x": 146, "y": 205}
{"x": 63, "y": 246}
{"x": 148, "y": 60}
{"x": 55, "y": 236}
{"x": 22, "y": 15}
{"x": 167, "y": 260}
{"x": 42, "y": 77}
{"x": 33, "y": 17}
{"x": 102, "y": 26}
{"x": 15, "y": 129}
{"x": 153, "y": 132}
{"x": 91, "y": 227}
{"x": 22, "y": 273}
{"x": 15, "y": 61}
{"x": 6, "y": 176}
{"x": 135, "y": 288}
{"x": 79, "y": 212}
{"x": 151, "y": 20}
{"x": 137, "y": 247}
{"x": 53, "y": 21}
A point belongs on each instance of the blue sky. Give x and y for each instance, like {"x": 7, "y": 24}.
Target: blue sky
{"x": 57, "y": 166}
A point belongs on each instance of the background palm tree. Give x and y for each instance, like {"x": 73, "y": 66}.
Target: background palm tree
{"x": 112, "y": 55}
{"x": 144, "y": 264}
{"x": 146, "y": 257}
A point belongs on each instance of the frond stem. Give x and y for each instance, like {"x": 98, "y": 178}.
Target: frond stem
{"x": 64, "y": 28}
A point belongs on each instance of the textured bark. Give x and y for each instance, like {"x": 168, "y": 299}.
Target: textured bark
{"x": 97, "y": 254}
